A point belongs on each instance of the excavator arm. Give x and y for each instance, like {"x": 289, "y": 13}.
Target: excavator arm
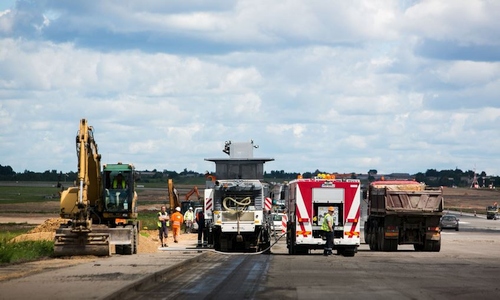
{"x": 193, "y": 191}
{"x": 89, "y": 176}
{"x": 77, "y": 203}
{"x": 173, "y": 195}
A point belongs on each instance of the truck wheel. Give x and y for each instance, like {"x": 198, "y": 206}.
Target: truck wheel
{"x": 436, "y": 246}
{"x": 290, "y": 239}
{"x": 393, "y": 245}
{"x": 432, "y": 246}
{"x": 266, "y": 248}
{"x": 367, "y": 233}
{"x": 119, "y": 249}
{"x": 349, "y": 252}
{"x": 374, "y": 239}
{"x": 301, "y": 250}
{"x": 381, "y": 239}
{"x": 418, "y": 247}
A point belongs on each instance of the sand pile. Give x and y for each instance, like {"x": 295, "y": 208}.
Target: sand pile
{"x": 44, "y": 231}
{"x": 50, "y": 225}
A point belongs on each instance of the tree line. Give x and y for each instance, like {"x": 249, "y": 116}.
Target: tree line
{"x": 431, "y": 177}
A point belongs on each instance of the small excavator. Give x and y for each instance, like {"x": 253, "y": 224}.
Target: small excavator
{"x": 102, "y": 208}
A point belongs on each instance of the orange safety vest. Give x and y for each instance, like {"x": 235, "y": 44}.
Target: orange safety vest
{"x": 177, "y": 219}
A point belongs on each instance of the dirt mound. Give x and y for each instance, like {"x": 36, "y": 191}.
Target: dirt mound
{"x": 37, "y": 236}
{"x": 50, "y": 225}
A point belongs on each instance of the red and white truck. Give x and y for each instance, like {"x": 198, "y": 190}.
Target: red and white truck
{"x": 307, "y": 203}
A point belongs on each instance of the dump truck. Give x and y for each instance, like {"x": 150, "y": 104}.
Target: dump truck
{"x": 101, "y": 209}
{"x": 403, "y": 212}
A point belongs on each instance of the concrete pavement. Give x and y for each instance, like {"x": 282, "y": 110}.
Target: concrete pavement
{"x": 94, "y": 278}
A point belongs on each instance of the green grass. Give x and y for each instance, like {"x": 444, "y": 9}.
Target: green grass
{"x": 11, "y": 252}
{"x": 24, "y": 251}
{"x": 148, "y": 219}
{"x": 23, "y": 194}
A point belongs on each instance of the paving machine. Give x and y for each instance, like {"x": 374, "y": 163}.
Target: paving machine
{"x": 102, "y": 208}
{"x": 237, "y": 204}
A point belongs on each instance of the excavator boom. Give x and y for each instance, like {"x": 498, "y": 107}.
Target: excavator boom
{"x": 173, "y": 195}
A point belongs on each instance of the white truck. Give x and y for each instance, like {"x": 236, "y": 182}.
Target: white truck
{"x": 236, "y": 204}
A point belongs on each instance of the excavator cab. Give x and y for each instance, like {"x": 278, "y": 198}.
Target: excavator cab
{"x": 119, "y": 195}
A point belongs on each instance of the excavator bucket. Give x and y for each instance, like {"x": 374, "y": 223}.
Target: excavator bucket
{"x": 67, "y": 243}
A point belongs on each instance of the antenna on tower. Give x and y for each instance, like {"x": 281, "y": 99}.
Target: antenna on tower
{"x": 474, "y": 183}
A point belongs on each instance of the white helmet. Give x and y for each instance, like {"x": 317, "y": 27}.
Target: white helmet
{"x": 178, "y": 208}
{"x": 190, "y": 208}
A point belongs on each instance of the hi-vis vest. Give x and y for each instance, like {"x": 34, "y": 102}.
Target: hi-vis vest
{"x": 162, "y": 214}
{"x": 177, "y": 219}
{"x": 115, "y": 183}
{"x": 326, "y": 219}
{"x": 189, "y": 215}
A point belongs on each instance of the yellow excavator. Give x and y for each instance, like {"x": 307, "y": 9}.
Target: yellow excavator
{"x": 102, "y": 208}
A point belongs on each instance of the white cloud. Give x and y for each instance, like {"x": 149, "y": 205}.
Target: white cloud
{"x": 466, "y": 21}
{"x": 330, "y": 86}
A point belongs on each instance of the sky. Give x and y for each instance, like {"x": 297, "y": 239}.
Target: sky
{"x": 337, "y": 86}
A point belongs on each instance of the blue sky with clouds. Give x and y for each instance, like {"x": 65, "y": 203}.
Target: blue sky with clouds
{"x": 339, "y": 86}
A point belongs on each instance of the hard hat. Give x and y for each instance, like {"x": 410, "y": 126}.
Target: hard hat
{"x": 331, "y": 208}
{"x": 190, "y": 208}
{"x": 178, "y": 208}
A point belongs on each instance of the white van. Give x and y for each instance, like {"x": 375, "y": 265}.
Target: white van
{"x": 277, "y": 220}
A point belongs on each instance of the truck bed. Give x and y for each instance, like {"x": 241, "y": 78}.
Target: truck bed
{"x": 384, "y": 201}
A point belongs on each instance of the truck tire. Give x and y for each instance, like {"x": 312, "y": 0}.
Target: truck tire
{"x": 301, "y": 250}
{"x": 381, "y": 239}
{"x": 290, "y": 239}
{"x": 367, "y": 233}
{"x": 374, "y": 239}
{"x": 435, "y": 246}
{"x": 432, "y": 246}
{"x": 349, "y": 252}
{"x": 418, "y": 247}
{"x": 266, "y": 248}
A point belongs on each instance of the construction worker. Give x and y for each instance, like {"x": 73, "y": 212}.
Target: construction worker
{"x": 327, "y": 228}
{"x": 188, "y": 219}
{"x": 119, "y": 182}
{"x": 177, "y": 220}
{"x": 200, "y": 220}
{"x": 163, "y": 220}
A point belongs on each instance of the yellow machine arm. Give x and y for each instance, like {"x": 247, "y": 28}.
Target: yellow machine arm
{"x": 76, "y": 201}
{"x": 173, "y": 196}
